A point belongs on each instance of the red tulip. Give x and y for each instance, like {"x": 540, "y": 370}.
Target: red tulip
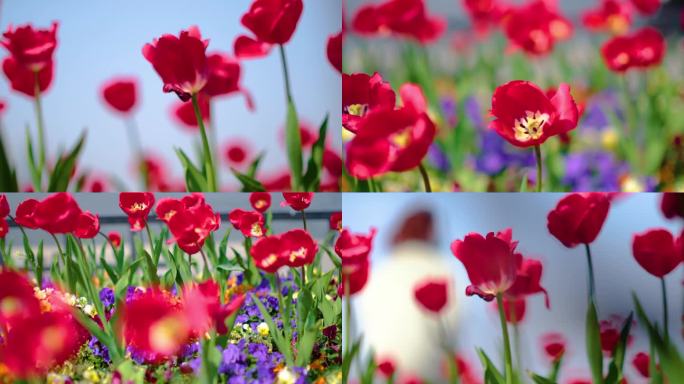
{"x": 528, "y": 281}
{"x": 355, "y": 275}
{"x": 137, "y": 206}
{"x": 642, "y": 363}
{"x": 657, "y": 251}
{"x": 42, "y": 342}
{"x": 167, "y": 208}
{"x": 646, "y": 7}
{"x": 192, "y": 225}
{"x": 271, "y": 22}
{"x": 610, "y": 336}
{"x": 180, "y": 61}
{"x": 4, "y": 206}
{"x": 184, "y": 113}
{"x": 260, "y": 201}
{"x": 362, "y": 93}
{"x": 24, "y": 80}
{"x": 31, "y": 48}
{"x": 25, "y": 213}
{"x": 405, "y": 18}
{"x": 578, "y": 218}
{"x": 87, "y": 226}
{"x": 17, "y": 300}
{"x": 268, "y": 254}
{"x": 672, "y": 205}
{"x": 223, "y": 75}
{"x": 335, "y": 221}
{"x": 354, "y": 247}
{"x": 526, "y": 116}
{"x": 298, "y": 201}
{"x": 299, "y": 248}
{"x": 120, "y": 94}
{"x": 193, "y": 200}
{"x": 154, "y": 322}
{"x": 4, "y": 228}
{"x": 332, "y": 163}
{"x": 115, "y": 238}
{"x": 367, "y": 157}
{"x": 57, "y": 213}
{"x": 610, "y": 15}
{"x": 250, "y": 223}
{"x": 514, "y": 310}
{"x": 554, "y": 345}
{"x": 236, "y": 153}
{"x": 484, "y": 13}
{"x": 386, "y": 367}
{"x": 3, "y": 106}
{"x": 643, "y": 49}
{"x": 543, "y": 26}
{"x": 203, "y": 308}
{"x": 334, "y": 50}
{"x": 432, "y": 294}
{"x": 491, "y": 262}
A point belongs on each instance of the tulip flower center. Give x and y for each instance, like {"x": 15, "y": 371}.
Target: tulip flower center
{"x": 357, "y": 109}
{"x": 270, "y": 260}
{"x": 402, "y": 139}
{"x": 10, "y": 306}
{"x": 137, "y": 207}
{"x": 259, "y": 204}
{"x": 169, "y": 215}
{"x": 617, "y": 24}
{"x": 530, "y": 127}
{"x": 621, "y": 59}
{"x": 539, "y": 39}
{"x": 166, "y": 333}
{"x": 256, "y": 230}
{"x": 559, "y": 29}
{"x": 298, "y": 254}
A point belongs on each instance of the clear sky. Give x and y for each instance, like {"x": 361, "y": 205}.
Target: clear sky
{"x": 98, "y": 40}
{"x": 617, "y": 273}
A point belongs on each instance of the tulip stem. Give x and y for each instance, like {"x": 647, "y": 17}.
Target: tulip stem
{"x": 286, "y": 74}
{"x": 538, "y": 156}
{"x": 206, "y": 264}
{"x": 136, "y": 146}
{"x": 665, "y": 312}
{"x": 210, "y": 172}
{"x": 346, "y": 326}
{"x": 507, "y": 342}
{"x": 41, "y": 128}
{"x": 426, "y": 177}
{"x": 592, "y": 284}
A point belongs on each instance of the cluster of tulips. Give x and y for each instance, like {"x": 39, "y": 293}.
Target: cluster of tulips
{"x": 264, "y": 311}
{"x": 499, "y": 271}
{"x": 560, "y": 119}
{"x": 197, "y": 77}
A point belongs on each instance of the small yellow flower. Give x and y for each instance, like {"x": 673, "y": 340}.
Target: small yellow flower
{"x": 91, "y": 375}
{"x": 89, "y": 310}
{"x": 263, "y": 330}
{"x": 285, "y": 376}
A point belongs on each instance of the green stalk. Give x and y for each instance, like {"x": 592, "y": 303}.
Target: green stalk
{"x": 210, "y": 171}
{"x": 286, "y": 74}
{"x": 41, "y": 127}
{"x": 136, "y": 147}
{"x": 538, "y": 156}
{"x": 590, "y": 265}
{"x": 425, "y": 176}
{"x": 507, "y": 342}
{"x": 665, "y": 311}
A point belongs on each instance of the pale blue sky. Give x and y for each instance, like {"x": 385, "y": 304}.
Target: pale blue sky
{"x": 98, "y": 40}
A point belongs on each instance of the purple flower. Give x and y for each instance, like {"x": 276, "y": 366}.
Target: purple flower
{"x": 107, "y": 297}
{"x": 449, "y": 109}
{"x": 98, "y": 349}
{"x": 438, "y": 158}
{"x": 497, "y": 155}
{"x": 473, "y": 112}
{"x": 593, "y": 171}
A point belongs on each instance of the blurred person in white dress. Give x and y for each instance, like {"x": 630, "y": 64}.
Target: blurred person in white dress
{"x": 393, "y": 325}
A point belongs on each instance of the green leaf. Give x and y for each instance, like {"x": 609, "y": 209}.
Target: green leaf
{"x": 293, "y": 142}
{"x": 490, "y": 369}
{"x": 312, "y": 178}
{"x": 8, "y": 175}
{"x": 254, "y": 166}
{"x": 249, "y": 183}
{"x": 194, "y": 178}
{"x": 33, "y": 167}
{"x": 61, "y": 175}
{"x": 131, "y": 372}
{"x": 349, "y": 358}
{"x": 593, "y": 340}
{"x": 615, "y": 368}
{"x": 305, "y": 343}
{"x": 523, "y": 183}
{"x": 540, "y": 379}
{"x": 276, "y": 334}
{"x": 211, "y": 357}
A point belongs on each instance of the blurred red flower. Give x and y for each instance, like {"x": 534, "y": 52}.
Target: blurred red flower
{"x": 236, "y": 152}
{"x": 335, "y": 221}
{"x": 514, "y": 309}
{"x": 24, "y": 80}
{"x": 4, "y": 228}
{"x": 386, "y": 367}
{"x": 611, "y": 16}
{"x": 271, "y": 22}
{"x": 298, "y": 201}
{"x": 4, "y": 206}
{"x": 260, "y": 201}
{"x": 87, "y": 226}
{"x": 334, "y": 50}
{"x": 181, "y": 61}
{"x": 642, "y": 362}
{"x": 643, "y": 49}
{"x": 154, "y": 322}
{"x": 646, "y": 7}
{"x": 354, "y": 274}
{"x": 484, "y": 13}
{"x": 192, "y": 225}
{"x": 578, "y": 218}
{"x": 17, "y": 299}
{"x": 137, "y": 206}
{"x": 528, "y": 281}
{"x": 250, "y": 223}
{"x": 203, "y": 308}
{"x": 554, "y": 345}
{"x": 184, "y": 113}
{"x": 672, "y": 205}
{"x": 3, "y": 106}
{"x": 526, "y": 116}
{"x": 31, "y": 48}
{"x": 354, "y": 247}
{"x": 432, "y": 294}
{"x": 25, "y": 213}
{"x": 543, "y": 26}
{"x": 657, "y": 251}
{"x": 57, "y": 213}
{"x": 299, "y": 248}
{"x": 405, "y": 18}
{"x": 362, "y": 93}
{"x": 223, "y": 75}
{"x": 120, "y": 94}
{"x": 491, "y": 262}
{"x": 115, "y": 238}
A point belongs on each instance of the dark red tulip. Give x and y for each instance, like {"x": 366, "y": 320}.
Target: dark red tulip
{"x": 154, "y": 322}
{"x": 355, "y": 275}
{"x": 657, "y": 251}
{"x": 367, "y": 157}
{"x": 137, "y": 206}
{"x": 250, "y": 223}
{"x": 246, "y": 47}
{"x": 300, "y": 248}
{"x": 404, "y": 18}
{"x": 386, "y": 367}
{"x": 544, "y": 25}
{"x": 528, "y": 281}
{"x": 273, "y": 21}
{"x": 17, "y": 299}
{"x": 181, "y": 62}
{"x": 223, "y": 75}
{"x": 646, "y": 7}
{"x": 260, "y": 201}
{"x": 57, "y": 213}
{"x": 672, "y": 205}
{"x": 609, "y": 16}
{"x": 24, "y": 80}
{"x": 4, "y": 228}
{"x": 354, "y": 247}
{"x": 298, "y": 201}
{"x": 192, "y": 225}
{"x": 4, "y": 206}
{"x": 87, "y": 226}
{"x": 362, "y": 93}
{"x": 526, "y": 116}
{"x": 268, "y": 254}
{"x": 642, "y": 362}
{"x": 31, "y": 48}
{"x": 25, "y": 213}
{"x": 432, "y": 294}
{"x": 236, "y": 153}
{"x": 335, "y": 222}
{"x": 514, "y": 310}
{"x": 334, "y": 50}
{"x": 554, "y": 345}
{"x": 167, "y": 207}
{"x": 491, "y": 262}
{"x": 120, "y": 94}
{"x": 643, "y": 49}
{"x": 115, "y": 238}
{"x": 578, "y": 218}
{"x": 184, "y": 113}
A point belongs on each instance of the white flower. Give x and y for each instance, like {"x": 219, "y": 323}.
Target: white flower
{"x": 262, "y": 328}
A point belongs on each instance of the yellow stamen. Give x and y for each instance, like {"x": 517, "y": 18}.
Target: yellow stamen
{"x": 531, "y": 127}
